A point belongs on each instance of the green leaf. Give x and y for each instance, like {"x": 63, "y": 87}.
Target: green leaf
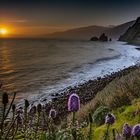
{"x": 19, "y": 137}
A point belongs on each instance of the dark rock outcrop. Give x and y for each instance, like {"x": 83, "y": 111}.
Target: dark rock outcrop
{"x": 94, "y": 38}
{"x": 103, "y": 37}
{"x": 132, "y": 35}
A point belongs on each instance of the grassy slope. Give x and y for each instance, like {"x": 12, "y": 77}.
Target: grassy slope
{"x": 122, "y": 96}
{"x": 123, "y": 114}
{"x": 118, "y": 93}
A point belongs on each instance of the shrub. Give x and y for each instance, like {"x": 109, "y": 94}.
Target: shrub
{"x": 99, "y": 115}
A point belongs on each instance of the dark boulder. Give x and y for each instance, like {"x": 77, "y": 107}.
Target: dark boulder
{"x": 94, "y": 38}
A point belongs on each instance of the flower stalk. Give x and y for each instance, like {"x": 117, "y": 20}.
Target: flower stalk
{"x": 90, "y": 126}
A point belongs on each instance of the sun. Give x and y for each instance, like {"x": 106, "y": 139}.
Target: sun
{"x": 3, "y": 31}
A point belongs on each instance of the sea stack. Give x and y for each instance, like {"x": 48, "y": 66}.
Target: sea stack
{"x": 103, "y": 37}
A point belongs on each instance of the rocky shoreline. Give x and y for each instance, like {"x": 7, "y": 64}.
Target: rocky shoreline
{"x": 86, "y": 91}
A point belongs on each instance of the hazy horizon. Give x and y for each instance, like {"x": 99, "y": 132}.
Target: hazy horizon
{"x": 36, "y": 18}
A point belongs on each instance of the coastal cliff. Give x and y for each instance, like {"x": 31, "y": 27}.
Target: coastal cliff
{"x": 132, "y": 35}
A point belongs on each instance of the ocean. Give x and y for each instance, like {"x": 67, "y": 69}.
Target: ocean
{"x": 38, "y": 68}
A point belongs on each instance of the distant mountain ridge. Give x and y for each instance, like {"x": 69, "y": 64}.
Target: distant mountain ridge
{"x": 132, "y": 35}
{"x": 87, "y": 32}
{"x": 80, "y": 33}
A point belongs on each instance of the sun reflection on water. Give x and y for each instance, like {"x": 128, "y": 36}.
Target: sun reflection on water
{"x": 6, "y": 67}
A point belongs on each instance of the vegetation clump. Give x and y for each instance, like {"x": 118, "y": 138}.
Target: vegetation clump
{"x": 99, "y": 115}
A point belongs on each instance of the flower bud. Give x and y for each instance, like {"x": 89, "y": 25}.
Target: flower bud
{"x": 13, "y": 107}
{"x": 0, "y": 85}
{"x": 39, "y": 108}
{"x": 26, "y": 103}
{"x": 5, "y": 99}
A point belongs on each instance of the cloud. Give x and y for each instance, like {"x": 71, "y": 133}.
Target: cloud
{"x": 19, "y": 21}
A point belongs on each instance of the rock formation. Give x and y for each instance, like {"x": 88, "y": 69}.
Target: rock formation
{"x": 103, "y": 37}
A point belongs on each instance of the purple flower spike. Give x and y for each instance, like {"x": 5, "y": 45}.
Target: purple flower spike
{"x": 136, "y": 130}
{"x": 126, "y": 131}
{"x": 73, "y": 103}
{"x": 110, "y": 119}
{"x": 52, "y": 113}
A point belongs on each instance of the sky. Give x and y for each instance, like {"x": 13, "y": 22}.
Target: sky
{"x": 38, "y": 17}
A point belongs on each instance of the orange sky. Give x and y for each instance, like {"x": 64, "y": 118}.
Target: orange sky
{"x": 25, "y": 28}
{"x": 36, "y": 17}
{"x": 16, "y": 31}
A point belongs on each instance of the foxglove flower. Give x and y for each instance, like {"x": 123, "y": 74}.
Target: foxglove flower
{"x": 73, "y": 103}
{"x": 110, "y": 119}
{"x": 126, "y": 131}
{"x": 136, "y": 130}
{"x": 52, "y": 113}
